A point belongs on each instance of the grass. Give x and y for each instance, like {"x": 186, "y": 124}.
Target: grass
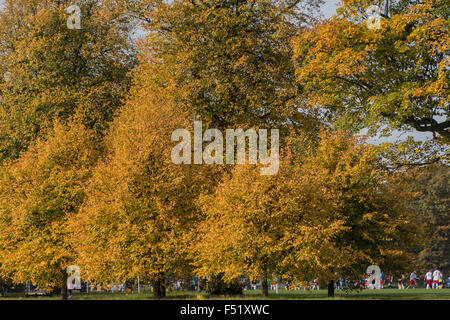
{"x": 384, "y": 294}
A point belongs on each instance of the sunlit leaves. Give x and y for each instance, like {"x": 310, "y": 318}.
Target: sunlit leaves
{"x": 38, "y": 194}
{"x": 395, "y": 77}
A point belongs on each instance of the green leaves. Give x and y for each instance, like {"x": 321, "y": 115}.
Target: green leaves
{"x": 231, "y": 61}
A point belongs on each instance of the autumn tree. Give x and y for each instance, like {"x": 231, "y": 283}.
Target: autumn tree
{"x": 392, "y": 77}
{"x": 49, "y": 71}
{"x": 330, "y": 209}
{"x": 227, "y": 63}
{"x": 372, "y": 204}
{"x": 141, "y": 206}
{"x": 231, "y": 59}
{"x": 39, "y": 193}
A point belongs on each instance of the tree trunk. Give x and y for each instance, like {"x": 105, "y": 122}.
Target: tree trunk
{"x": 64, "y": 286}
{"x": 163, "y": 288}
{"x": 264, "y": 285}
{"x": 3, "y": 291}
{"x": 157, "y": 289}
{"x": 331, "y": 288}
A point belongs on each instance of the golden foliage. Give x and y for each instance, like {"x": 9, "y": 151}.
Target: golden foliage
{"x": 39, "y": 193}
{"x": 331, "y": 211}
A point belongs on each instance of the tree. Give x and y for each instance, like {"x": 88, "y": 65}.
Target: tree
{"x": 433, "y": 204}
{"x": 227, "y": 62}
{"x": 141, "y": 206}
{"x": 327, "y": 211}
{"x": 240, "y": 235}
{"x": 231, "y": 60}
{"x": 392, "y": 77}
{"x": 49, "y": 71}
{"x": 39, "y": 193}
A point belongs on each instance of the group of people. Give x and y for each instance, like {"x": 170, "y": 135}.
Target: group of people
{"x": 435, "y": 280}
{"x": 432, "y": 280}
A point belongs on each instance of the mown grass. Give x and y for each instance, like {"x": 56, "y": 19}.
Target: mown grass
{"x": 384, "y": 294}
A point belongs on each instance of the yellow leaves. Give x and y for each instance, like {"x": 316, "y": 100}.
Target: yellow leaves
{"x": 56, "y": 72}
{"x": 140, "y": 214}
{"x": 48, "y": 189}
{"x": 366, "y": 78}
{"x": 141, "y": 206}
{"x": 316, "y": 214}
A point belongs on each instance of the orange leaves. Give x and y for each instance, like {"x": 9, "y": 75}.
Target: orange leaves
{"x": 315, "y": 217}
{"x": 49, "y": 181}
{"x": 141, "y": 206}
{"x": 55, "y": 72}
{"x": 124, "y": 209}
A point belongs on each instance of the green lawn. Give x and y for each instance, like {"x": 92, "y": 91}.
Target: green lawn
{"x": 384, "y": 294}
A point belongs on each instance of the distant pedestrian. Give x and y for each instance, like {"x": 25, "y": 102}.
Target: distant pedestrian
{"x": 338, "y": 284}
{"x": 390, "y": 279}
{"x": 316, "y": 283}
{"x": 400, "y": 283}
{"x": 436, "y": 275}
{"x": 412, "y": 280}
{"x": 428, "y": 279}
{"x": 382, "y": 280}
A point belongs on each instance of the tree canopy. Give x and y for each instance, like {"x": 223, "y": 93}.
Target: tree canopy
{"x": 141, "y": 206}
{"x": 333, "y": 210}
{"x": 232, "y": 59}
{"x": 39, "y": 193}
{"x": 49, "y": 71}
{"x": 433, "y": 201}
{"x": 88, "y": 114}
{"x": 392, "y": 77}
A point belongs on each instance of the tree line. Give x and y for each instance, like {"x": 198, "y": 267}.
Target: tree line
{"x": 86, "y": 117}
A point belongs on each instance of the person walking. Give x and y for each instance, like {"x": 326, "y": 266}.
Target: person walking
{"x": 390, "y": 279}
{"x": 428, "y": 279}
{"x": 436, "y": 275}
{"x": 401, "y": 286}
{"x": 412, "y": 280}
